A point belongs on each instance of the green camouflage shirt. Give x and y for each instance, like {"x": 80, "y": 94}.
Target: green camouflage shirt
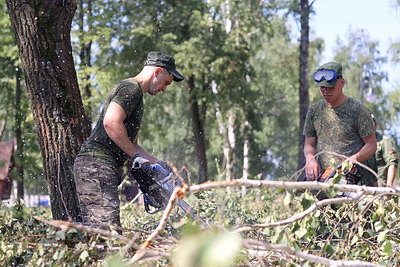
{"x": 338, "y": 129}
{"x": 385, "y": 155}
{"x": 129, "y": 96}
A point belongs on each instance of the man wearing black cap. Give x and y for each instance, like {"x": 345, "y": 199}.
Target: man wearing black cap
{"x": 337, "y": 123}
{"x": 98, "y": 166}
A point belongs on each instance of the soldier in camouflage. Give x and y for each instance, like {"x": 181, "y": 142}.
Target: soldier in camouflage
{"x": 386, "y": 158}
{"x": 98, "y": 166}
{"x": 337, "y": 123}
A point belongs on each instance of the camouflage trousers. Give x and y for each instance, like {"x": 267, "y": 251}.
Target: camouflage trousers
{"x": 96, "y": 183}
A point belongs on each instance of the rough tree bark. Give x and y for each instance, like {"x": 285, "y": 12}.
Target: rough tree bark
{"x": 42, "y": 31}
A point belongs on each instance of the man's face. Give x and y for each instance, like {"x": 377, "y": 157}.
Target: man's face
{"x": 161, "y": 79}
{"x": 333, "y": 95}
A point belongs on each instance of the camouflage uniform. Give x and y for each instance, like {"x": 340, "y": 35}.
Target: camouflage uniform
{"x": 385, "y": 155}
{"x": 98, "y": 166}
{"x": 340, "y": 130}
{"x": 97, "y": 181}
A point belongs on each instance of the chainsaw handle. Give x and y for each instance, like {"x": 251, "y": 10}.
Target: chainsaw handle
{"x": 149, "y": 210}
{"x": 158, "y": 167}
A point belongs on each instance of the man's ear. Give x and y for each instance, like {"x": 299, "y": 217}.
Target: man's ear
{"x": 157, "y": 71}
{"x": 342, "y": 82}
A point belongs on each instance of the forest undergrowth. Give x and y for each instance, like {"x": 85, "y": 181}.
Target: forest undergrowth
{"x": 256, "y": 227}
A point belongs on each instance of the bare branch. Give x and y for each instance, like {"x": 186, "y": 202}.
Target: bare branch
{"x": 301, "y": 215}
{"x": 368, "y": 190}
{"x": 65, "y": 225}
{"x": 258, "y": 245}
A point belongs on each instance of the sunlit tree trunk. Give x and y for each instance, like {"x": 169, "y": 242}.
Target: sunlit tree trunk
{"x": 220, "y": 123}
{"x": 246, "y": 151}
{"x": 42, "y": 31}
{"x": 227, "y": 131}
{"x": 231, "y": 160}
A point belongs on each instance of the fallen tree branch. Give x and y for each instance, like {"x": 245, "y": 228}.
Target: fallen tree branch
{"x": 258, "y": 245}
{"x": 367, "y": 190}
{"x": 65, "y": 225}
{"x": 360, "y": 191}
{"x": 147, "y": 247}
{"x": 301, "y": 215}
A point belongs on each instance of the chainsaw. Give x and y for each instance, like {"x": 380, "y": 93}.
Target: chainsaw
{"x": 352, "y": 174}
{"x": 157, "y": 185}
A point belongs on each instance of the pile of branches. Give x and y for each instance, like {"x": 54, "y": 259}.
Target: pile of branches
{"x": 158, "y": 246}
{"x": 289, "y": 226}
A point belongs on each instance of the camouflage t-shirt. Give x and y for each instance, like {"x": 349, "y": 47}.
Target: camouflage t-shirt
{"x": 129, "y": 96}
{"x": 386, "y": 155}
{"x": 338, "y": 129}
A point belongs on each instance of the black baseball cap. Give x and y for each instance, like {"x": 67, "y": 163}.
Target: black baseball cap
{"x": 159, "y": 59}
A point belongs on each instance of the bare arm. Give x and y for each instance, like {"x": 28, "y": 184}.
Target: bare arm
{"x": 391, "y": 174}
{"x": 368, "y": 150}
{"x": 143, "y": 152}
{"x": 115, "y": 129}
{"x": 312, "y": 167}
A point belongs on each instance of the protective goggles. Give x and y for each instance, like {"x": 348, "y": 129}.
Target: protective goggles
{"x": 327, "y": 75}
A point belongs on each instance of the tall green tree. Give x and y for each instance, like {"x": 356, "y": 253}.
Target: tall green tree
{"x": 11, "y": 95}
{"x": 42, "y": 33}
{"x": 85, "y": 41}
{"x": 233, "y": 75}
{"x": 8, "y": 63}
{"x": 216, "y": 45}
{"x": 276, "y": 134}
{"x": 15, "y": 116}
{"x": 359, "y": 54}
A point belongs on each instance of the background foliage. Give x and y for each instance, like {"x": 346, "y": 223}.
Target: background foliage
{"x": 245, "y": 50}
{"x": 243, "y": 59}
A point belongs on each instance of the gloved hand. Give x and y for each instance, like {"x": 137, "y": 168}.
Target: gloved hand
{"x": 141, "y": 169}
{"x": 148, "y": 179}
{"x": 138, "y": 162}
